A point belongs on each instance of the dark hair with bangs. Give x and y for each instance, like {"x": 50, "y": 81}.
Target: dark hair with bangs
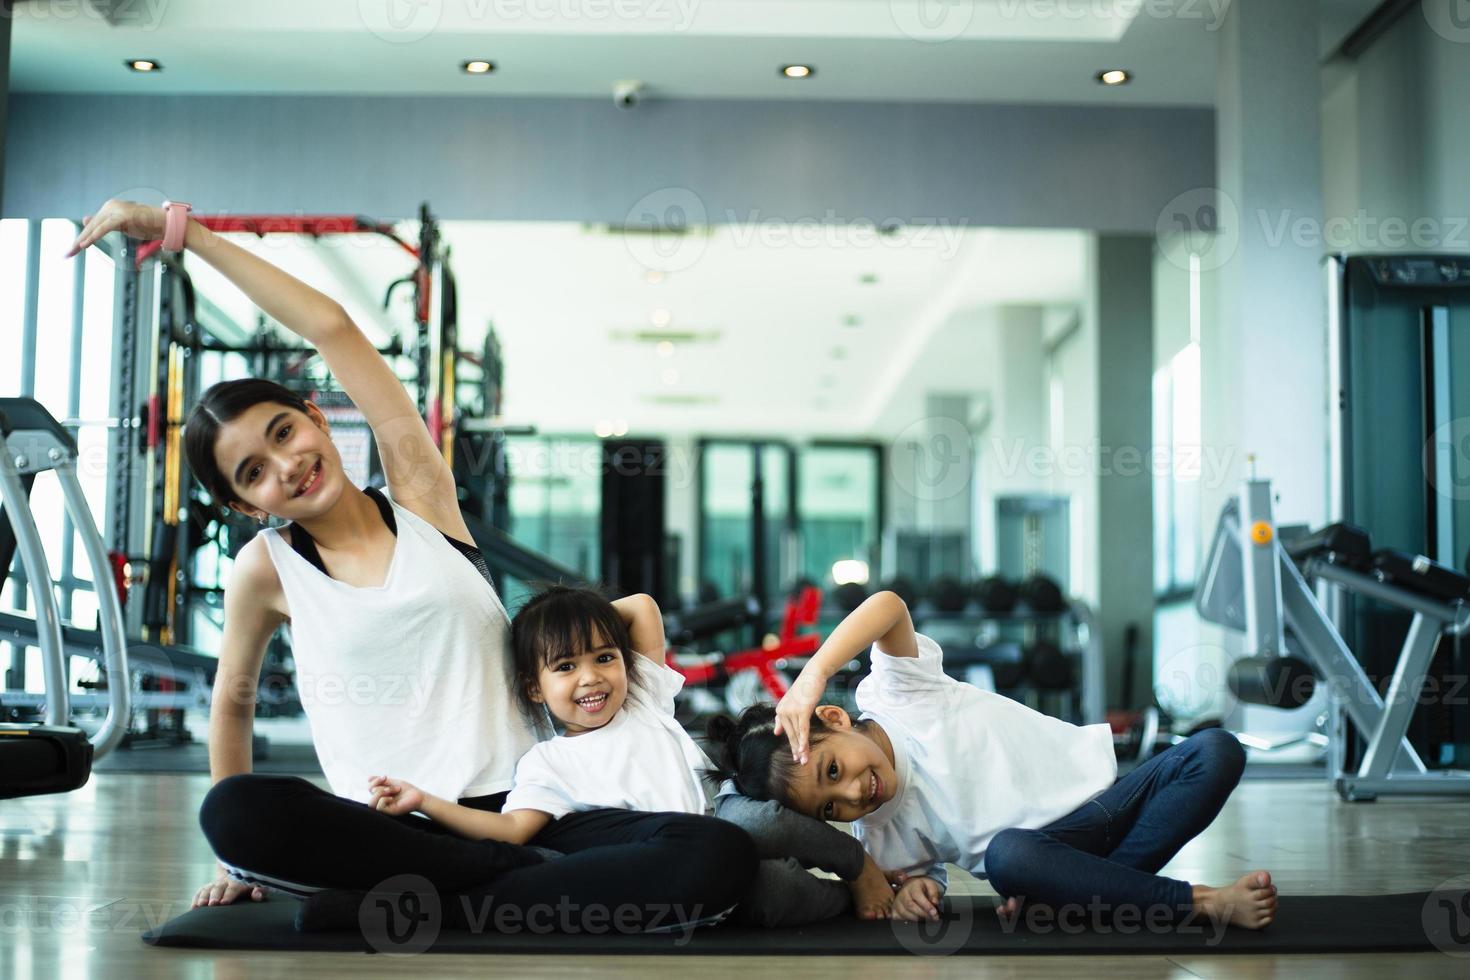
{"x": 560, "y": 621}
{"x": 220, "y": 405}
{"x": 750, "y": 752}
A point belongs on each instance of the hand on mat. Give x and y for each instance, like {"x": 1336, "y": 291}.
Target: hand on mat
{"x": 133, "y": 220}
{"x": 794, "y": 715}
{"x": 918, "y": 899}
{"x": 394, "y": 796}
{"x": 224, "y": 890}
{"x": 872, "y": 895}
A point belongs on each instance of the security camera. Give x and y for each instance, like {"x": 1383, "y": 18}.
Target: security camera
{"x": 628, "y": 95}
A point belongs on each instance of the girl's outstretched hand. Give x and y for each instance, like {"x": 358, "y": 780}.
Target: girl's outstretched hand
{"x": 395, "y": 797}
{"x": 794, "y": 715}
{"x": 134, "y": 220}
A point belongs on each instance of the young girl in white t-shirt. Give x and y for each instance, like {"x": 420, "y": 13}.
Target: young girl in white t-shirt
{"x": 937, "y": 771}
{"x": 620, "y": 747}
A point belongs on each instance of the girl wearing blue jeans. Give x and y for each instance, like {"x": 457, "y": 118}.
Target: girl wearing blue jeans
{"x": 937, "y": 771}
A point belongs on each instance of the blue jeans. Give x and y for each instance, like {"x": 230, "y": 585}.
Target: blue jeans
{"x": 1109, "y": 850}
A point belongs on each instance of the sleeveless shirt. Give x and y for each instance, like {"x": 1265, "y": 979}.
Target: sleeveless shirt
{"x": 412, "y": 678}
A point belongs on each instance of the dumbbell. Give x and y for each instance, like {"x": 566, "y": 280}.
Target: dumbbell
{"x": 995, "y": 594}
{"x": 948, "y": 595}
{"x": 1042, "y": 595}
{"x": 1047, "y": 667}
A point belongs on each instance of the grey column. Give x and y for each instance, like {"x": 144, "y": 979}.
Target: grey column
{"x": 1125, "y": 363}
{"x": 1263, "y": 356}
{"x": 5, "y": 19}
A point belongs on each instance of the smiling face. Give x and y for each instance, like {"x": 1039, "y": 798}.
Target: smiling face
{"x": 583, "y": 688}
{"x": 849, "y": 775}
{"x": 280, "y": 462}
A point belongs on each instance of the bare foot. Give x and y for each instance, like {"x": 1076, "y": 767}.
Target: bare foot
{"x": 1249, "y": 903}
{"x": 1009, "y": 908}
{"x": 872, "y": 895}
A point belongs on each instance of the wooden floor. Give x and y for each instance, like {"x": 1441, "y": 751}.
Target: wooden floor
{"x": 82, "y": 875}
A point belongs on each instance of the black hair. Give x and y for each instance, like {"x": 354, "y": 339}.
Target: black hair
{"x": 749, "y": 751}
{"x": 222, "y": 404}
{"x": 558, "y": 621}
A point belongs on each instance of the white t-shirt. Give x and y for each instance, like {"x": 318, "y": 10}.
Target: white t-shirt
{"x": 640, "y": 760}
{"x": 970, "y": 763}
{"x": 412, "y": 677}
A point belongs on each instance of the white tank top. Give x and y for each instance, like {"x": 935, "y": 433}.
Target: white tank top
{"x": 412, "y": 678}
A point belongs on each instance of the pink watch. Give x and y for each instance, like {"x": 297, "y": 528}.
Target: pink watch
{"x": 175, "y": 225}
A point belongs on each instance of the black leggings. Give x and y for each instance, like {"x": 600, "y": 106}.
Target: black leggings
{"x": 284, "y": 832}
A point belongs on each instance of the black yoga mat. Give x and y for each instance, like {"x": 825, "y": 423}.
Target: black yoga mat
{"x": 1304, "y": 924}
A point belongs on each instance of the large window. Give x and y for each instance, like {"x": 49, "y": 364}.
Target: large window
{"x": 556, "y": 499}
{"x": 63, "y": 359}
{"x": 838, "y": 508}
{"x": 1176, "y": 424}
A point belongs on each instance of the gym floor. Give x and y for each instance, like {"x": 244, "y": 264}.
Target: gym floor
{"x": 81, "y": 875}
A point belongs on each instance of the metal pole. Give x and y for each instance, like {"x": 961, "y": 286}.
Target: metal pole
{"x": 73, "y": 410}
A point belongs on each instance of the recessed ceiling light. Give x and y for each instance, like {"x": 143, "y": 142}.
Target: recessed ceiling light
{"x": 661, "y": 318}
{"x": 143, "y": 64}
{"x": 478, "y": 67}
{"x": 1115, "y": 76}
{"x": 798, "y": 71}
{"x": 665, "y": 348}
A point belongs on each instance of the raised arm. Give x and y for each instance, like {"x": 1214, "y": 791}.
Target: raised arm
{"x": 883, "y": 618}
{"x": 417, "y": 473}
{"x": 645, "y": 622}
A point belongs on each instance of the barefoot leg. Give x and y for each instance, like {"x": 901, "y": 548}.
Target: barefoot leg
{"x": 1249, "y": 903}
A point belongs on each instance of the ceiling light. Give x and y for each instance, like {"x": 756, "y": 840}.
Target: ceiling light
{"x": 798, "y": 71}
{"x": 478, "y": 67}
{"x": 670, "y": 376}
{"x": 143, "y": 64}
{"x": 661, "y": 318}
{"x": 603, "y": 428}
{"x": 620, "y": 428}
{"x": 666, "y": 348}
{"x": 1115, "y": 76}
{"x": 849, "y": 571}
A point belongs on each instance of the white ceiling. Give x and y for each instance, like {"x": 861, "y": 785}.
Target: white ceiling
{"x": 776, "y": 298}
{"x": 920, "y": 50}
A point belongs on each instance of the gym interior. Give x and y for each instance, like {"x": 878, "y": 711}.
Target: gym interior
{"x": 1127, "y": 344}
